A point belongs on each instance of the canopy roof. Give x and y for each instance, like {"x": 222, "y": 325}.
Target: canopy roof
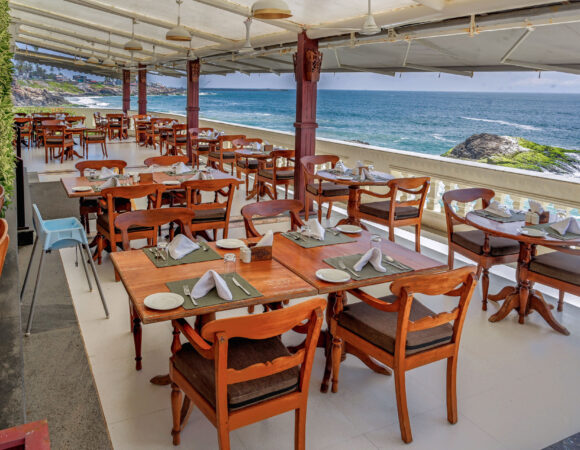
{"x": 455, "y": 36}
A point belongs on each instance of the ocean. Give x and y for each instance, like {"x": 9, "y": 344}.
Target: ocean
{"x": 422, "y": 122}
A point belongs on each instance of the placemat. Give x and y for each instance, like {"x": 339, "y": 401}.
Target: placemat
{"x": 307, "y": 242}
{"x": 368, "y": 271}
{"x": 212, "y": 298}
{"x": 553, "y": 233}
{"x": 515, "y": 217}
{"x": 173, "y": 174}
{"x": 120, "y": 177}
{"x": 196, "y": 256}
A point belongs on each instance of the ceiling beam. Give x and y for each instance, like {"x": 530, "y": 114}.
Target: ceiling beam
{"x": 361, "y": 69}
{"x": 536, "y": 66}
{"x": 143, "y": 18}
{"x": 66, "y": 63}
{"x": 94, "y": 26}
{"x": 79, "y": 36}
{"x": 277, "y": 61}
{"x": 240, "y": 10}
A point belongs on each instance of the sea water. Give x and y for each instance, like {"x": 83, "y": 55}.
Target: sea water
{"x": 422, "y": 122}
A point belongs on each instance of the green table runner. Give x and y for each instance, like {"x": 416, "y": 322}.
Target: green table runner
{"x": 307, "y": 242}
{"x": 368, "y": 271}
{"x": 196, "y": 256}
{"x": 212, "y": 298}
{"x": 553, "y": 233}
{"x": 119, "y": 177}
{"x": 516, "y": 216}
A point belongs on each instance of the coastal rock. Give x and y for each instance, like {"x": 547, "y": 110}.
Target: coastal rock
{"x": 36, "y": 97}
{"x": 486, "y": 145}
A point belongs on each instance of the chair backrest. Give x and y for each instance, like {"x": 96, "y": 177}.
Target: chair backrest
{"x": 454, "y": 283}
{"x": 243, "y": 142}
{"x": 81, "y": 166}
{"x": 52, "y": 122}
{"x": 259, "y": 327}
{"x": 281, "y": 160}
{"x": 4, "y": 242}
{"x": 222, "y": 187}
{"x": 179, "y": 129}
{"x": 225, "y": 142}
{"x": 463, "y": 196}
{"x": 309, "y": 164}
{"x": 164, "y": 160}
{"x": 54, "y": 131}
{"x": 195, "y": 131}
{"x": 75, "y": 119}
{"x": 271, "y": 209}
{"x": 153, "y": 218}
{"x": 417, "y": 186}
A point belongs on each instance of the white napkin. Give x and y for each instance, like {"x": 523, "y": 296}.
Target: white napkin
{"x": 180, "y": 246}
{"x": 498, "y": 209}
{"x": 373, "y": 256}
{"x": 180, "y": 168}
{"x": 340, "y": 167}
{"x": 267, "y": 240}
{"x": 208, "y": 281}
{"x": 316, "y": 230}
{"x": 366, "y": 175}
{"x": 111, "y": 182}
{"x": 106, "y": 173}
{"x": 567, "y": 225}
{"x": 199, "y": 176}
{"x": 536, "y": 206}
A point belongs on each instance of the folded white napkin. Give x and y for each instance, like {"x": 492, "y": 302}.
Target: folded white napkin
{"x": 111, "y": 182}
{"x": 199, "y": 176}
{"x": 180, "y": 246}
{"x": 267, "y": 240}
{"x": 316, "y": 230}
{"x": 106, "y": 173}
{"x": 536, "y": 206}
{"x": 498, "y": 209}
{"x": 340, "y": 167}
{"x": 366, "y": 175}
{"x": 569, "y": 224}
{"x": 208, "y": 281}
{"x": 373, "y": 256}
{"x": 180, "y": 168}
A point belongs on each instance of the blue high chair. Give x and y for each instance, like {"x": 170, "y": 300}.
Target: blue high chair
{"x": 54, "y": 235}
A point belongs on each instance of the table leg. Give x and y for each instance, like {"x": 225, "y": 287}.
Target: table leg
{"x": 137, "y": 336}
{"x": 352, "y": 208}
{"x": 537, "y": 303}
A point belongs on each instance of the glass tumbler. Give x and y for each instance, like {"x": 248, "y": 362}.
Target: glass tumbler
{"x": 229, "y": 263}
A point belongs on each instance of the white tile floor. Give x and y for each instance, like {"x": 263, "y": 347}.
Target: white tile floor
{"x": 517, "y": 384}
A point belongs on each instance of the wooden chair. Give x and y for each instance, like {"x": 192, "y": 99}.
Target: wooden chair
{"x": 91, "y": 205}
{"x": 153, "y": 136}
{"x": 271, "y": 209}
{"x": 100, "y": 121}
{"x": 279, "y": 170}
{"x": 402, "y": 333}
{"x": 559, "y": 269}
{"x": 171, "y": 197}
{"x": 317, "y": 190}
{"x": 480, "y": 247}
{"x": 56, "y": 137}
{"x": 140, "y": 126}
{"x": 210, "y": 215}
{"x": 224, "y": 153}
{"x": 108, "y": 235}
{"x": 117, "y": 126}
{"x": 198, "y": 147}
{"x": 403, "y": 213}
{"x": 164, "y": 160}
{"x": 177, "y": 140}
{"x": 243, "y": 165}
{"x": 26, "y": 129}
{"x": 4, "y": 242}
{"x": 95, "y": 136}
{"x": 230, "y": 356}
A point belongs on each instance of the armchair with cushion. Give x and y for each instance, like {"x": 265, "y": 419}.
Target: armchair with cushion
{"x": 198, "y": 145}
{"x": 275, "y": 171}
{"x": 224, "y": 152}
{"x": 244, "y": 165}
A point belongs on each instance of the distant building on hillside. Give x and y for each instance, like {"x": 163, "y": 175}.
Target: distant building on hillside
{"x": 60, "y": 77}
{"x": 80, "y": 78}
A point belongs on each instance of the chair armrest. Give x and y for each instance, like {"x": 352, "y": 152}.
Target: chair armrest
{"x": 194, "y": 338}
{"x": 360, "y": 193}
{"x": 375, "y": 302}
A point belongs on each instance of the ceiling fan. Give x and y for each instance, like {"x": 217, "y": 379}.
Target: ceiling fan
{"x": 247, "y": 45}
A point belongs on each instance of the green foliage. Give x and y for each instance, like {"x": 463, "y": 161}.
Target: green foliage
{"x": 50, "y": 109}
{"x": 7, "y": 157}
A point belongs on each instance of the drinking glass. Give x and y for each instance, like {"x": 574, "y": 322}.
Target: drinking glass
{"x": 375, "y": 241}
{"x": 162, "y": 248}
{"x": 229, "y": 263}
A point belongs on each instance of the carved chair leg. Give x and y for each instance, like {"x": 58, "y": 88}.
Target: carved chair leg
{"x": 329, "y": 211}
{"x": 336, "y": 358}
{"x": 450, "y": 258}
{"x": 452, "y": 389}
{"x": 223, "y": 436}
{"x": 137, "y": 336}
{"x": 484, "y": 288}
{"x": 319, "y": 210}
{"x": 418, "y": 238}
{"x": 561, "y": 301}
{"x": 401, "y": 392}
{"x": 300, "y": 428}
{"x": 176, "y": 412}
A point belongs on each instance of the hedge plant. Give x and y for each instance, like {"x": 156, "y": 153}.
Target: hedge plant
{"x": 7, "y": 157}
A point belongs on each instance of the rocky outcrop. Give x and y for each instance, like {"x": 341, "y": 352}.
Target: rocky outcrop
{"x": 518, "y": 153}
{"x": 36, "y": 97}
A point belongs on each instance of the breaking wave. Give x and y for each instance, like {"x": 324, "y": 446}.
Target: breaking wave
{"x": 503, "y": 122}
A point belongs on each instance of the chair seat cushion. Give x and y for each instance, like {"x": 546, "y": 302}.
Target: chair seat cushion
{"x": 558, "y": 265}
{"x": 328, "y": 189}
{"x": 200, "y": 372}
{"x": 225, "y": 155}
{"x": 56, "y": 140}
{"x": 248, "y": 163}
{"x": 181, "y": 139}
{"x": 209, "y": 215}
{"x": 382, "y": 209}
{"x": 95, "y": 137}
{"x": 280, "y": 174}
{"x": 103, "y": 221}
{"x": 473, "y": 241}
{"x": 380, "y": 327}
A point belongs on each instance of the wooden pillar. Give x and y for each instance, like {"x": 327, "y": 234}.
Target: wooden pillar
{"x": 193, "y": 71}
{"x": 307, "y": 62}
{"x": 142, "y": 86}
{"x": 126, "y": 90}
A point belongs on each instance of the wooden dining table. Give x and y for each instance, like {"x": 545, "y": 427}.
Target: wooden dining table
{"x": 521, "y": 297}
{"x": 248, "y": 154}
{"x": 354, "y": 184}
{"x": 304, "y": 262}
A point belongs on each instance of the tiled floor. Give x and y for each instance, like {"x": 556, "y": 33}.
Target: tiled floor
{"x": 517, "y": 384}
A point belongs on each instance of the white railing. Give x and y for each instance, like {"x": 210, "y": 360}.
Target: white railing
{"x": 512, "y": 186}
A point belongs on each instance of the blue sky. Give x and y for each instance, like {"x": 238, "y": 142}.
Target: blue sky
{"x": 549, "y": 82}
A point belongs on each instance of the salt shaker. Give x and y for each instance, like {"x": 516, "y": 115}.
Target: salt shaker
{"x": 245, "y": 254}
